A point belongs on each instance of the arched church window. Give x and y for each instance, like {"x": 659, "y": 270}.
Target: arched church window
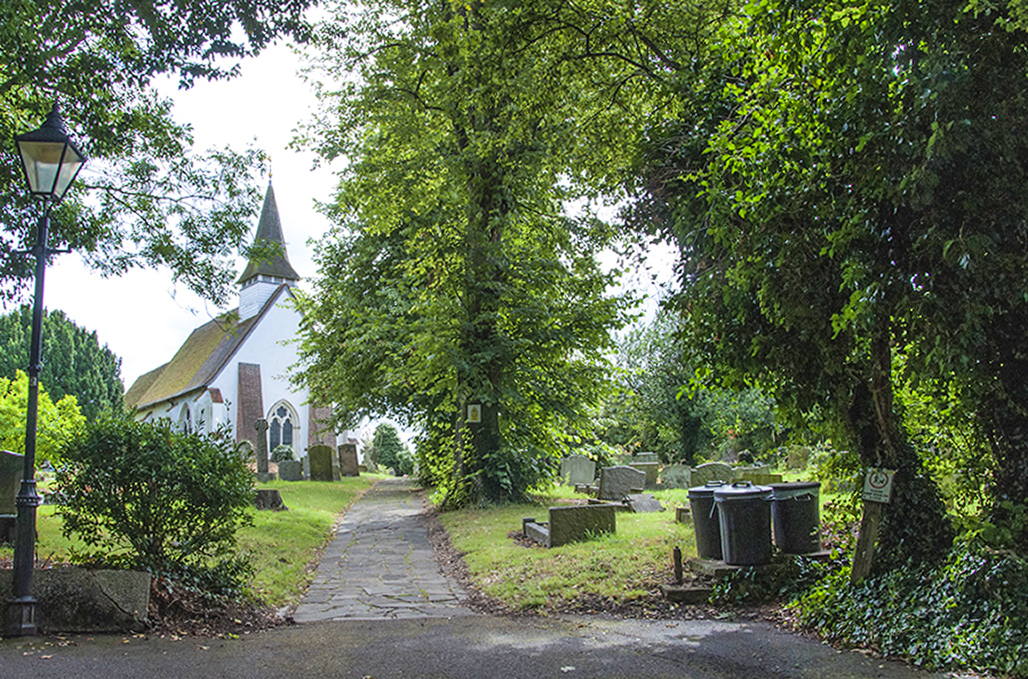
{"x": 281, "y": 424}
{"x": 185, "y": 423}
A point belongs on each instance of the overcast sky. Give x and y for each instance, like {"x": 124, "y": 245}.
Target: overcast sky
{"x": 142, "y": 316}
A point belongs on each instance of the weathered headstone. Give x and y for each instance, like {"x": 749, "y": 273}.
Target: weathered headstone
{"x": 676, "y": 476}
{"x": 571, "y": 524}
{"x": 617, "y": 482}
{"x": 306, "y": 462}
{"x": 646, "y": 457}
{"x": 577, "y": 469}
{"x": 320, "y": 458}
{"x": 348, "y": 464}
{"x": 643, "y": 503}
{"x": 712, "y": 471}
{"x": 262, "y": 451}
{"x": 290, "y": 470}
{"x": 650, "y": 469}
{"x": 12, "y": 465}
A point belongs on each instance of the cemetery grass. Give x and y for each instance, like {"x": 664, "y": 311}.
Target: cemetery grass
{"x": 284, "y": 546}
{"x": 620, "y": 573}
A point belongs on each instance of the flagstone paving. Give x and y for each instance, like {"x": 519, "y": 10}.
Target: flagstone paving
{"x": 381, "y": 565}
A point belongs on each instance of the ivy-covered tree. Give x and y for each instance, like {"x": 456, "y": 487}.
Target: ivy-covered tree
{"x": 152, "y": 199}
{"x": 844, "y": 179}
{"x": 455, "y": 279}
{"x": 74, "y": 362}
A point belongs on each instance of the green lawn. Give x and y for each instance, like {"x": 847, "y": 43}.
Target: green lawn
{"x": 630, "y": 564}
{"x": 282, "y": 544}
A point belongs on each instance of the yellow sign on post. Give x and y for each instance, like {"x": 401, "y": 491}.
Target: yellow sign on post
{"x": 475, "y": 413}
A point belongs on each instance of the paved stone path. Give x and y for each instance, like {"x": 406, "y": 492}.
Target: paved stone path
{"x": 380, "y": 564}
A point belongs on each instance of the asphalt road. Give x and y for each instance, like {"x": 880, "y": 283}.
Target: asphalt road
{"x": 466, "y": 647}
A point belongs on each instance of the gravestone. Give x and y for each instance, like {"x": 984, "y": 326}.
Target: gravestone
{"x": 676, "y": 476}
{"x": 617, "y": 482}
{"x": 262, "y": 451}
{"x": 712, "y": 471}
{"x": 320, "y": 458}
{"x": 577, "y": 469}
{"x": 645, "y": 457}
{"x": 306, "y": 462}
{"x": 348, "y": 465}
{"x": 290, "y": 470}
{"x": 650, "y": 469}
{"x": 571, "y": 524}
{"x": 12, "y": 465}
{"x": 643, "y": 503}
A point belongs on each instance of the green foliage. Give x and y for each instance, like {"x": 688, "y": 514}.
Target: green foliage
{"x": 969, "y": 612}
{"x": 144, "y": 496}
{"x": 56, "y": 424}
{"x": 283, "y": 452}
{"x": 73, "y": 360}
{"x": 779, "y": 581}
{"x": 389, "y": 451}
{"x": 152, "y": 200}
{"x": 454, "y": 276}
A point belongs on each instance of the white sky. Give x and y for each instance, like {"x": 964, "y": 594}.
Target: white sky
{"x": 141, "y": 316}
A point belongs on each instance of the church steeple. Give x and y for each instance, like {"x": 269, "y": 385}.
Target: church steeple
{"x": 264, "y": 275}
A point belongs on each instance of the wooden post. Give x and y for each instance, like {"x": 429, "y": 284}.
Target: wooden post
{"x": 864, "y": 555}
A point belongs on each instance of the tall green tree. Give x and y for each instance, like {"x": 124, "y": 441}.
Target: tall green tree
{"x": 153, "y": 201}
{"x": 456, "y": 280}
{"x": 74, "y": 362}
{"x": 843, "y": 181}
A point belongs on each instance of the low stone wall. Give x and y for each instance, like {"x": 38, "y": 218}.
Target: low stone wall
{"x": 80, "y": 600}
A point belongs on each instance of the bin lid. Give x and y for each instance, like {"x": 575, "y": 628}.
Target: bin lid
{"x": 706, "y": 490}
{"x": 792, "y": 489}
{"x": 742, "y": 490}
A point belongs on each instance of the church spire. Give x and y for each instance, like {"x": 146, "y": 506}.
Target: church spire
{"x": 269, "y": 233}
{"x": 265, "y": 274}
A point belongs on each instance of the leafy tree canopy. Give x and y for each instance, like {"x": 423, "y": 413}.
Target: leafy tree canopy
{"x": 73, "y": 360}
{"x": 57, "y": 425}
{"x": 151, "y": 199}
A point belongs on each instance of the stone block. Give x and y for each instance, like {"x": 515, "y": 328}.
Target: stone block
{"x": 575, "y": 524}
{"x": 576, "y": 469}
{"x": 80, "y": 600}
{"x": 643, "y": 503}
{"x": 617, "y": 482}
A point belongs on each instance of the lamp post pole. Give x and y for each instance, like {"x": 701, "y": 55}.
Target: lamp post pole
{"x": 51, "y": 162}
{"x": 23, "y": 603}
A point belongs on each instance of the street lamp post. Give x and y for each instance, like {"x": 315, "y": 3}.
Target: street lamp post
{"x": 51, "y": 162}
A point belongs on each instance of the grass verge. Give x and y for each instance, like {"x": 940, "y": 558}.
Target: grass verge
{"x": 627, "y": 566}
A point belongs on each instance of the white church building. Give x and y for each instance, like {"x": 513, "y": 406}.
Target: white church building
{"x": 234, "y": 370}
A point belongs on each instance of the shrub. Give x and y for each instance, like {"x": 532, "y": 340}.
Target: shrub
{"x": 283, "y": 452}
{"x": 970, "y": 611}
{"x": 144, "y": 496}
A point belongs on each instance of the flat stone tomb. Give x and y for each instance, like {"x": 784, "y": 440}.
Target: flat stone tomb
{"x": 571, "y": 524}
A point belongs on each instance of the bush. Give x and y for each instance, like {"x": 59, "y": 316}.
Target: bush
{"x": 146, "y": 497}
{"x": 968, "y": 612}
{"x": 282, "y": 452}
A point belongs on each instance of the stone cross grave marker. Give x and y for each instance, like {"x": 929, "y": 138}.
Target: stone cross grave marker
{"x": 261, "y": 426}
